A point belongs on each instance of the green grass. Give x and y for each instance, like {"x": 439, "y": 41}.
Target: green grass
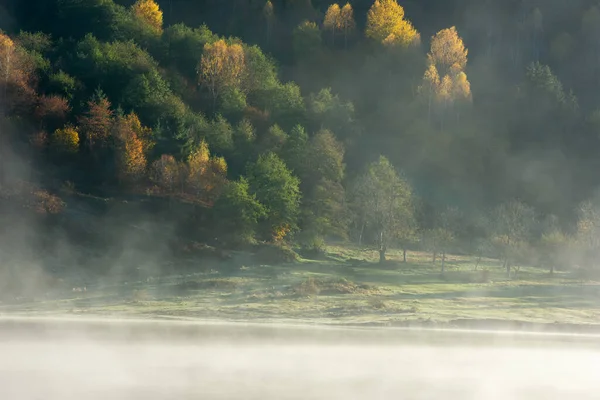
{"x": 336, "y": 290}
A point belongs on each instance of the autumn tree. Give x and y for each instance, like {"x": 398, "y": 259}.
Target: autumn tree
{"x": 447, "y": 52}
{"x": 386, "y": 24}
{"x": 206, "y": 174}
{"x": 221, "y": 67}
{"x": 166, "y": 173}
{"x": 382, "y": 202}
{"x": 96, "y": 122}
{"x": 332, "y": 20}
{"x": 445, "y": 79}
{"x": 149, "y": 12}
{"x": 347, "y": 23}
{"x": 65, "y": 141}
{"x": 132, "y": 145}
{"x": 269, "y": 16}
{"x": 7, "y": 54}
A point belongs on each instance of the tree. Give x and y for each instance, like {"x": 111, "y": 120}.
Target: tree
{"x": 166, "y": 174}
{"x": 386, "y": 24}
{"x": 332, "y": 20}
{"x": 206, "y": 174}
{"x": 382, "y": 200}
{"x": 278, "y": 190}
{"x": 238, "y": 212}
{"x": 132, "y": 144}
{"x": 588, "y": 231}
{"x": 430, "y": 87}
{"x": 7, "y": 54}
{"x": 269, "y": 16}
{"x": 65, "y": 141}
{"x": 447, "y": 52}
{"x": 513, "y": 222}
{"x": 443, "y": 233}
{"x": 553, "y": 245}
{"x": 96, "y": 122}
{"x": 445, "y": 75}
{"x": 320, "y": 167}
{"x": 273, "y": 139}
{"x": 222, "y": 66}
{"x": 131, "y": 161}
{"x": 347, "y": 23}
{"x": 307, "y": 40}
{"x": 149, "y": 12}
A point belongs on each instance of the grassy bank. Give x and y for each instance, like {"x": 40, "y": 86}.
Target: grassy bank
{"x": 346, "y": 286}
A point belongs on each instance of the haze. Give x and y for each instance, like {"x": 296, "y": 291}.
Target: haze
{"x": 383, "y": 163}
{"x": 53, "y": 360}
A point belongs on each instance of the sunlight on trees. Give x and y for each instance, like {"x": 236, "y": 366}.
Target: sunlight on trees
{"x": 221, "y": 67}
{"x": 149, "y": 12}
{"x": 386, "y": 24}
{"x": 65, "y": 141}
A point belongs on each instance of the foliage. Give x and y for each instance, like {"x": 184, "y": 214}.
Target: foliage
{"x": 238, "y": 212}
{"x": 278, "y": 190}
{"x": 386, "y": 24}
{"x": 65, "y": 141}
{"x": 149, "y": 12}
{"x": 383, "y": 204}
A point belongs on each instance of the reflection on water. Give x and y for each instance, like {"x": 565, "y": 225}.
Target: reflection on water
{"x": 147, "y": 361}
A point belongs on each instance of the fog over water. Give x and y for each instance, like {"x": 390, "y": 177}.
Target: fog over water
{"x": 117, "y": 360}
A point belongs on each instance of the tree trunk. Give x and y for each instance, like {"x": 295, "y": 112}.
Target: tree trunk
{"x": 434, "y": 256}
{"x": 477, "y": 262}
{"x": 443, "y": 261}
{"x": 345, "y": 39}
{"x": 507, "y": 269}
{"x": 404, "y": 255}
{"x": 382, "y": 248}
{"x": 360, "y": 234}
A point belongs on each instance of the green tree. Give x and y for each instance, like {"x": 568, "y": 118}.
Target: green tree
{"x": 382, "y": 200}
{"x": 278, "y": 190}
{"x": 513, "y": 222}
{"x": 238, "y": 212}
{"x": 307, "y": 40}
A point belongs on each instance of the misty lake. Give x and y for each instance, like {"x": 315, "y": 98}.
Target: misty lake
{"x": 95, "y": 359}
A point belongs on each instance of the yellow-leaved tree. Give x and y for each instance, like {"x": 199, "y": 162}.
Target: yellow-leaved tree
{"x": 7, "y": 50}
{"x": 448, "y": 52}
{"x": 222, "y": 66}
{"x": 431, "y": 83}
{"x": 386, "y": 24}
{"x": 269, "y": 15}
{"x": 347, "y": 23}
{"x": 445, "y": 79}
{"x": 149, "y": 12}
{"x": 132, "y": 144}
{"x": 206, "y": 175}
{"x": 332, "y": 20}
{"x": 65, "y": 141}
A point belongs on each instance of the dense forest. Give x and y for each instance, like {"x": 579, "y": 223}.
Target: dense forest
{"x": 453, "y": 125}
